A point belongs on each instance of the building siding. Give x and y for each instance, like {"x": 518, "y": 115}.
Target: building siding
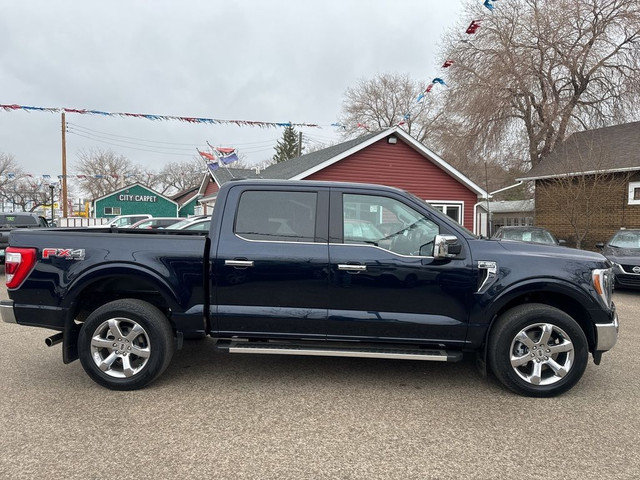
{"x": 613, "y": 213}
{"x": 399, "y": 165}
{"x": 188, "y": 208}
{"x": 136, "y": 199}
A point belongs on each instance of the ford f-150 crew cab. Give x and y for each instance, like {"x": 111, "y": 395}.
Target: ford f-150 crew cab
{"x": 314, "y": 268}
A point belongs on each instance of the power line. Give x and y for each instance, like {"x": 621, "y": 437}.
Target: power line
{"x": 90, "y": 130}
{"x": 99, "y": 136}
{"x": 268, "y": 146}
{"x": 129, "y": 147}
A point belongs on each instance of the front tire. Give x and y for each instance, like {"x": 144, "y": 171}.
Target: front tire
{"x": 125, "y": 344}
{"x": 537, "y": 350}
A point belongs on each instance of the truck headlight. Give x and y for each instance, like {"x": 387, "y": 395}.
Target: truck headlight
{"x": 602, "y": 280}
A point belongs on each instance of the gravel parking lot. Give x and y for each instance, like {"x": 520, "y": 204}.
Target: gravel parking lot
{"x": 267, "y": 417}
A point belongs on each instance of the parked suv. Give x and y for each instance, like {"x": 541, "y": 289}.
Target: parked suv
{"x": 527, "y": 234}
{"x": 623, "y": 249}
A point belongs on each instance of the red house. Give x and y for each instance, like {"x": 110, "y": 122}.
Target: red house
{"x": 391, "y": 157}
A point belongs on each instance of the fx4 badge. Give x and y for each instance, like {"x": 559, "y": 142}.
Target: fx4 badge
{"x": 66, "y": 253}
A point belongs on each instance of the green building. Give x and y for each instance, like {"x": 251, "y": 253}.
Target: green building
{"x": 134, "y": 199}
{"x": 187, "y": 201}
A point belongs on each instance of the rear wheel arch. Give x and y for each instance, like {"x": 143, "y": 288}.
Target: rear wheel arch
{"x": 87, "y": 295}
{"x": 93, "y": 291}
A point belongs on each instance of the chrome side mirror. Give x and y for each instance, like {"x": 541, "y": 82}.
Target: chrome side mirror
{"x": 446, "y": 246}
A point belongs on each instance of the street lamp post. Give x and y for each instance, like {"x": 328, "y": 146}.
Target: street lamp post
{"x": 52, "y": 188}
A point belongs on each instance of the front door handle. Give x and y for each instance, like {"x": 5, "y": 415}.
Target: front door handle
{"x": 238, "y": 263}
{"x": 351, "y": 268}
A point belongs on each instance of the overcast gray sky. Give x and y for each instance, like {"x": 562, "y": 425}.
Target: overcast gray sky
{"x": 271, "y": 61}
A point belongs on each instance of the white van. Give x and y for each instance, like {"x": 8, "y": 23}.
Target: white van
{"x": 123, "y": 221}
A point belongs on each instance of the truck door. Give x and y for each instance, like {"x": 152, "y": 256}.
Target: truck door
{"x": 384, "y": 281}
{"x": 270, "y": 274}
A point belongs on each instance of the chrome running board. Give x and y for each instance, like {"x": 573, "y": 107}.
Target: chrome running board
{"x": 358, "y": 352}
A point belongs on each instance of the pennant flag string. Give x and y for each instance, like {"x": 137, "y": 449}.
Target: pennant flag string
{"x": 471, "y": 29}
{"x": 48, "y": 177}
{"x": 212, "y": 121}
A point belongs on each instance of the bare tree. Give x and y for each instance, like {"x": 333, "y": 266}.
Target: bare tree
{"x": 178, "y": 176}
{"x": 29, "y": 193}
{"x": 9, "y": 172}
{"x": 385, "y": 101}
{"x": 538, "y": 70}
{"x": 103, "y": 171}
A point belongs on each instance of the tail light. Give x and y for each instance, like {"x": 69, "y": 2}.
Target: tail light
{"x": 18, "y": 264}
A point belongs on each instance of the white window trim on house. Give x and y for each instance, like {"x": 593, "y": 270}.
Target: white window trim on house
{"x": 632, "y": 188}
{"x": 443, "y": 204}
{"x": 112, "y": 210}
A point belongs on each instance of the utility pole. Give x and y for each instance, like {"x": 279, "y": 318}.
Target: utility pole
{"x": 52, "y": 189}
{"x": 300, "y": 143}
{"x": 63, "y": 197}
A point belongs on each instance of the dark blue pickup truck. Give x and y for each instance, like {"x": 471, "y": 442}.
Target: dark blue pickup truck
{"x": 314, "y": 268}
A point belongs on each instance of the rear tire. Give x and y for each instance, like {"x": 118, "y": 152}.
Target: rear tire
{"x": 125, "y": 344}
{"x": 537, "y": 350}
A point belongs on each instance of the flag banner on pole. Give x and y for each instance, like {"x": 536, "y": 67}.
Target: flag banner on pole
{"x": 227, "y": 159}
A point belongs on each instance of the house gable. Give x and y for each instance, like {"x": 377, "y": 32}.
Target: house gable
{"x": 400, "y": 165}
{"x": 134, "y": 199}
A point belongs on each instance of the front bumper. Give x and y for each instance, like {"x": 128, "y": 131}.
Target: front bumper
{"x": 7, "y": 312}
{"x": 626, "y": 278}
{"x": 607, "y": 334}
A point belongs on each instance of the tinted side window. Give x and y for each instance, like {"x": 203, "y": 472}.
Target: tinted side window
{"x": 277, "y": 216}
{"x": 387, "y": 223}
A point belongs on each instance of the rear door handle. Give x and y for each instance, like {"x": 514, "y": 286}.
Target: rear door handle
{"x": 351, "y": 268}
{"x": 238, "y": 263}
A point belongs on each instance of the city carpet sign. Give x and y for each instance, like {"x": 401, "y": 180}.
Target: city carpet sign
{"x": 138, "y": 198}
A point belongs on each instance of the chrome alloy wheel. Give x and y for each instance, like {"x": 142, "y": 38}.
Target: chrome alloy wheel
{"x": 542, "y": 354}
{"x": 120, "y": 347}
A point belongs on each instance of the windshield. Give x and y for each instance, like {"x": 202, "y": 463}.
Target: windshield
{"x": 625, "y": 240}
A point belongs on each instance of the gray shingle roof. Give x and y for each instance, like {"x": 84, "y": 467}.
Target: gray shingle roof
{"x": 224, "y": 174}
{"x": 295, "y": 166}
{"x": 614, "y": 149}
{"x": 290, "y": 168}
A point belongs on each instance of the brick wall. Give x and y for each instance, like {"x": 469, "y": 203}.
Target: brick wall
{"x": 610, "y": 209}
